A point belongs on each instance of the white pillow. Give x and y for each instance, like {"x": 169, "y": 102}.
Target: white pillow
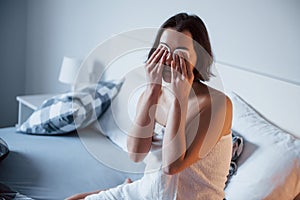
{"x": 269, "y": 167}
{"x": 115, "y": 123}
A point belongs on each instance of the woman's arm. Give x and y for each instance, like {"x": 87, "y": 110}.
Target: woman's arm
{"x": 174, "y": 142}
{"x": 140, "y": 136}
{"x": 183, "y": 142}
{"x": 198, "y": 137}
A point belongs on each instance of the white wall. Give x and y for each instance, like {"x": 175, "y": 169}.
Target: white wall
{"x": 257, "y": 35}
{"x": 12, "y": 58}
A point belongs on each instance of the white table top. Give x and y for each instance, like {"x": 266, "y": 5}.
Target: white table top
{"x": 33, "y": 101}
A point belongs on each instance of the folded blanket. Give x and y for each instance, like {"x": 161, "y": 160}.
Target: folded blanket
{"x": 237, "y": 148}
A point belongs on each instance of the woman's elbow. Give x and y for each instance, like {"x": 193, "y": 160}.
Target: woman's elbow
{"x": 134, "y": 154}
{"x": 136, "y": 158}
{"x": 170, "y": 170}
{"x": 137, "y": 150}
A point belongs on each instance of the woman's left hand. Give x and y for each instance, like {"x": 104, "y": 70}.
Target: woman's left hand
{"x": 182, "y": 78}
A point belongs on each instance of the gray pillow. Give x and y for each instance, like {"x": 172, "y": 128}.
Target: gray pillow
{"x": 67, "y": 112}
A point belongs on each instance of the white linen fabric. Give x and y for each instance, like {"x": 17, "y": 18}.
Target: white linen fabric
{"x": 203, "y": 180}
{"x": 269, "y": 167}
{"x": 155, "y": 184}
{"x": 206, "y": 178}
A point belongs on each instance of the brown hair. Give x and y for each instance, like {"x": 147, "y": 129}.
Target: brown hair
{"x": 192, "y": 23}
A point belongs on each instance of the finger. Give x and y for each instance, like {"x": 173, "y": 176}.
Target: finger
{"x": 189, "y": 70}
{"x": 173, "y": 71}
{"x": 163, "y": 57}
{"x": 185, "y": 54}
{"x": 154, "y": 54}
{"x": 177, "y": 62}
{"x": 150, "y": 66}
{"x": 165, "y": 47}
{"x": 183, "y": 66}
{"x": 159, "y": 67}
{"x": 157, "y": 57}
{"x": 177, "y": 69}
{"x": 169, "y": 55}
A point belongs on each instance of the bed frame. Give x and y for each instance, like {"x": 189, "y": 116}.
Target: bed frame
{"x": 276, "y": 99}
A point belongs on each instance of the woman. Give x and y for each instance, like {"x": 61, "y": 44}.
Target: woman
{"x": 185, "y": 124}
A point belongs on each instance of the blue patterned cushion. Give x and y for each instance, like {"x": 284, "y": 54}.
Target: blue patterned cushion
{"x": 237, "y": 149}
{"x": 70, "y": 111}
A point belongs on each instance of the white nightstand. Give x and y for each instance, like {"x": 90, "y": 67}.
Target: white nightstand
{"x": 28, "y": 104}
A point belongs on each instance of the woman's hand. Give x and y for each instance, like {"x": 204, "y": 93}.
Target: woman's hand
{"x": 154, "y": 67}
{"x": 182, "y": 78}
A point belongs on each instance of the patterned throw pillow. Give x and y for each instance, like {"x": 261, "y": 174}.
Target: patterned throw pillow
{"x": 70, "y": 111}
{"x": 237, "y": 149}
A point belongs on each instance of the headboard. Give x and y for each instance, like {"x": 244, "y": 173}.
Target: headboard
{"x": 277, "y": 100}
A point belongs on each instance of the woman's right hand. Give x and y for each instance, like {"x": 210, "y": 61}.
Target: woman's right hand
{"x": 154, "y": 67}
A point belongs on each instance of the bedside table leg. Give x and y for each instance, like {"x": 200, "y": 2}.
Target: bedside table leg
{"x": 24, "y": 113}
{"x": 19, "y": 114}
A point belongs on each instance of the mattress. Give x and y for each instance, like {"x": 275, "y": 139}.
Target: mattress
{"x": 54, "y": 167}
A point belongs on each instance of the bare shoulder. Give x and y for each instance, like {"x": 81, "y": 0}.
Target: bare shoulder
{"x": 207, "y": 96}
{"x": 214, "y": 100}
{"x": 221, "y": 105}
{"x": 221, "y": 101}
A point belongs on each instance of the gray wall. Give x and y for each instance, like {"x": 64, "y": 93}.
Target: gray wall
{"x": 257, "y": 35}
{"x": 12, "y": 58}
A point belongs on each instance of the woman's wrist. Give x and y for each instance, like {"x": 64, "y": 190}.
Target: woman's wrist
{"x": 152, "y": 91}
{"x": 180, "y": 106}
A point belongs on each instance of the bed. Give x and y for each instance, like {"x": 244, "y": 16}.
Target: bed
{"x": 55, "y": 167}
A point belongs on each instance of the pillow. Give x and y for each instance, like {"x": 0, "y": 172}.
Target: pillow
{"x": 115, "y": 123}
{"x": 67, "y": 112}
{"x": 269, "y": 167}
